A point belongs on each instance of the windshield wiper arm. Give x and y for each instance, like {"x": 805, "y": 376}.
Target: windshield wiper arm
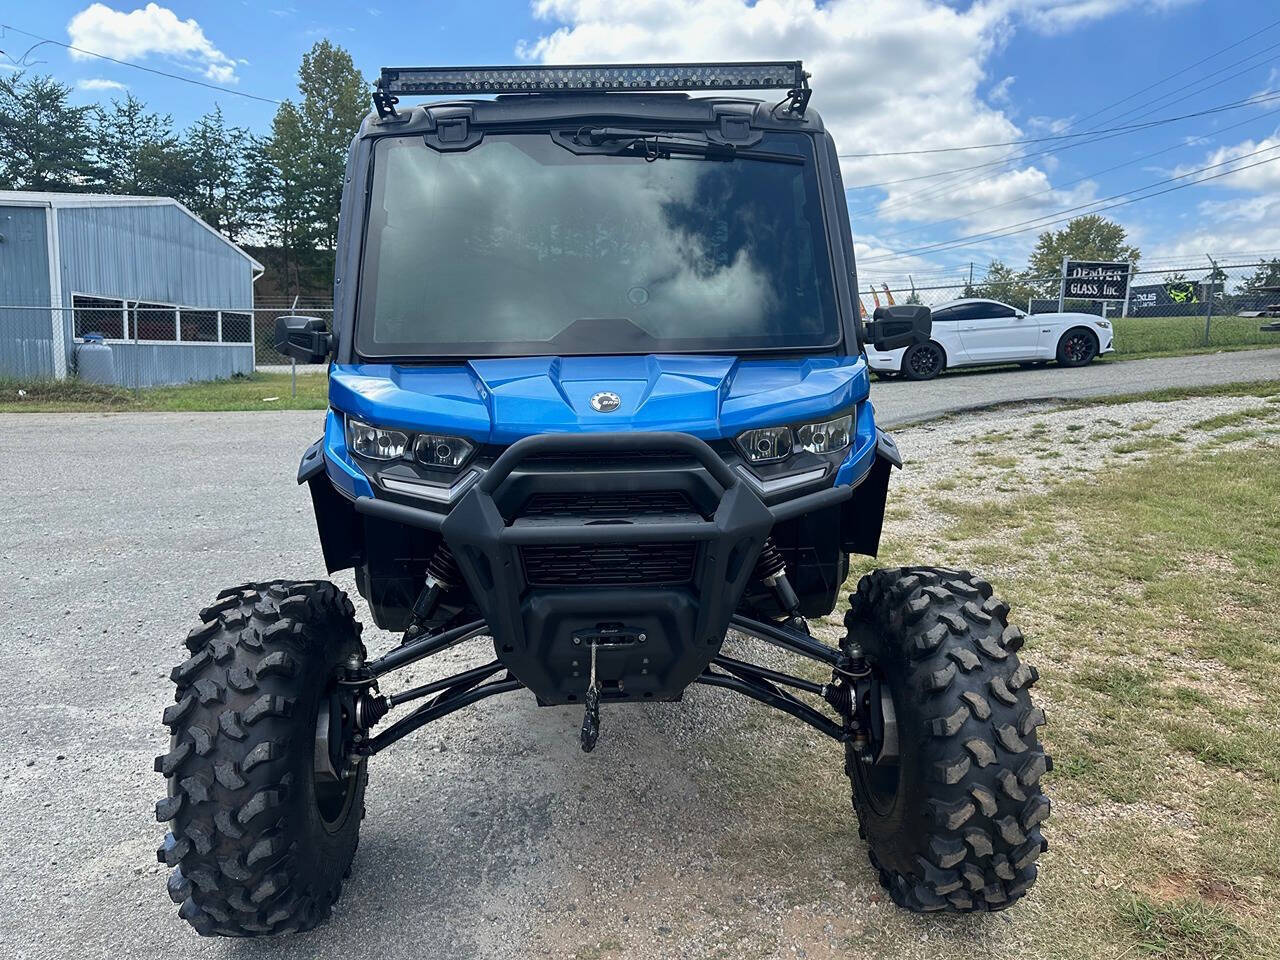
{"x": 663, "y": 146}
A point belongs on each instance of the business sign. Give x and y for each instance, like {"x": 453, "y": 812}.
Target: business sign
{"x": 1089, "y": 280}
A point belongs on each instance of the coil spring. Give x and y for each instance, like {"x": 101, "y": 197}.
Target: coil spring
{"x": 770, "y": 562}
{"x": 443, "y": 567}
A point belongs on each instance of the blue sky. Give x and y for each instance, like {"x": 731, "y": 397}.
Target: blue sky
{"x": 889, "y": 75}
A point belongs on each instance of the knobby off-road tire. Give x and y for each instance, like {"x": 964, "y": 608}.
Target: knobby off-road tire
{"x": 256, "y": 846}
{"x": 956, "y": 826}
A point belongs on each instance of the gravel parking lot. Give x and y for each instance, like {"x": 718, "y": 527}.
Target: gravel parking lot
{"x": 898, "y": 401}
{"x": 489, "y": 834}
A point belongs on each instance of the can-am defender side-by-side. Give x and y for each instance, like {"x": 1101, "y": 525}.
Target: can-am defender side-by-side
{"x": 597, "y": 392}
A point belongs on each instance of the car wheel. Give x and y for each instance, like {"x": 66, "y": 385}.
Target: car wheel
{"x": 1077, "y": 347}
{"x": 924, "y": 361}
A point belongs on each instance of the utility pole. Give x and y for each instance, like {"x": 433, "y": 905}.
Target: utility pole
{"x": 969, "y": 289}
{"x": 1208, "y": 311}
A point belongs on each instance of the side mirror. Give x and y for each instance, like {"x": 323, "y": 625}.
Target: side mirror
{"x": 1020, "y": 314}
{"x": 306, "y": 339}
{"x": 892, "y": 328}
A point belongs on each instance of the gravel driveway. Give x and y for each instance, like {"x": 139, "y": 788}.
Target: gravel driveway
{"x": 489, "y": 834}
{"x": 898, "y": 401}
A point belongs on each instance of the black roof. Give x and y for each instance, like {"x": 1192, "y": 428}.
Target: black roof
{"x": 536, "y": 108}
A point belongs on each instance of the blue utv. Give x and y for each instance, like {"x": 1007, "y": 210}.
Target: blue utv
{"x": 597, "y": 393}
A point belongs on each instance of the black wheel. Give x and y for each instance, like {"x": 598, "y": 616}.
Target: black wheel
{"x": 949, "y": 802}
{"x": 924, "y": 361}
{"x": 262, "y": 831}
{"x": 1077, "y": 347}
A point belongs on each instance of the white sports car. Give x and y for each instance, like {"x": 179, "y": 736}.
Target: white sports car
{"x": 969, "y": 333}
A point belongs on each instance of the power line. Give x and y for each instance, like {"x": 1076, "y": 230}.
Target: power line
{"x": 138, "y": 66}
{"x": 942, "y": 190}
{"x": 1233, "y": 105}
{"x": 1186, "y": 69}
{"x": 1035, "y": 224}
{"x": 1071, "y": 183}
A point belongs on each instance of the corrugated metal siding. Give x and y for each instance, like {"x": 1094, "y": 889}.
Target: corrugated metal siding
{"x": 153, "y": 253}
{"x": 159, "y": 254}
{"x": 160, "y": 364}
{"x": 26, "y": 336}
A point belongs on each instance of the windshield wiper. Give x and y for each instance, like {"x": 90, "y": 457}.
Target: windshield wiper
{"x": 664, "y": 146}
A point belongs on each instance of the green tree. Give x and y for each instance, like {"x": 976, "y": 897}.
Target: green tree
{"x": 287, "y": 197}
{"x": 135, "y": 150}
{"x": 1267, "y": 275}
{"x": 1090, "y": 237}
{"x": 1002, "y": 283}
{"x": 45, "y": 142}
{"x": 220, "y": 185}
{"x": 308, "y": 149}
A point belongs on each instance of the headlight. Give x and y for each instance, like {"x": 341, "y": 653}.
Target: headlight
{"x": 429, "y": 449}
{"x": 374, "y": 442}
{"x": 770, "y": 444}
{"x": 826, "y": 437}
{"x": 437, "y": 451}
{"x": 766, "y": 445}
{"x": 1104, "y": 324}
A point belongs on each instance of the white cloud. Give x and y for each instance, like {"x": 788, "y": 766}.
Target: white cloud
{"x": 1260, "y": 172}
{"x": 149, "y": 30}
{"x": 100, "y": 83}
{"x": 888, "y": 75}
{"x": 1001, "y": 92}
{"x": 1055, "y": 16}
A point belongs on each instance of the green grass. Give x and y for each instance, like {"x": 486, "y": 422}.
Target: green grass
{"x": 1156, "y": 635}
{"x": 1172, "y": 336}
{"x": 261, "y": 391}
{"x": 1152, "y": 619}
{"x": 1183, "y": 930}
{"x": 1136, "y": 337}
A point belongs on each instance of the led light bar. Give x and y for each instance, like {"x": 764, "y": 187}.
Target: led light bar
{"x": 593, "y": 78}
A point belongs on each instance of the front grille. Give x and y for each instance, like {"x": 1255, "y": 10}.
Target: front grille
{"x": 596, "y": 505}
{"x": 609, "y": 460}
{"x": 617, "y": 564}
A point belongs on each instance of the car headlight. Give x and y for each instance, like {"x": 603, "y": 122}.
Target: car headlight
{"x": 766, "y": 444}
{"x": 825, "y": 437}
{"x": 429, "y": 449}
{"x": 771, "y": 444}
{"x": 433, "y": 450}
{"x": 374, "y": 442}
{"x": 1104, "y": 324}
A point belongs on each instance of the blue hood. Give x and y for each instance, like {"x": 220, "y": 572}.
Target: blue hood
{"x": 502, "y": 400}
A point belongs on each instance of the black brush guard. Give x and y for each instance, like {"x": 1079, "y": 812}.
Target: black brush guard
{"x": 651, "y": 641}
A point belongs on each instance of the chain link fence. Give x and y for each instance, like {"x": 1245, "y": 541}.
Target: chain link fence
{"x": 1218, "y": 305}
{"x": 264, "y": 327}
{"x": 124, "y": 343}
{"x": 138, "y": 344}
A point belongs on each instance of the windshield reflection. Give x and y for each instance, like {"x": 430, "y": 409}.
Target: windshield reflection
{"x": 505, "y": 246}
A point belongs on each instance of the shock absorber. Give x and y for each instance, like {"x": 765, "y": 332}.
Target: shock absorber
{"x": 443, "y": 574}
{"x": 771, "y": 570}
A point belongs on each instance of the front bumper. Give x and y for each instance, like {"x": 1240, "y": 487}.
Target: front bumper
{"x": 888, "y": 361}
{"x": 650, "y": 639}
{"x": 658, "y": 634}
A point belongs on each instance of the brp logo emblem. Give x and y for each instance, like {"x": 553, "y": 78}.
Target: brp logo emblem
{"x": 605, "y": 402}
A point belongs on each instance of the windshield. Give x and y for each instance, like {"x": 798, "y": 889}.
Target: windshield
{"x": 519, "y": 247}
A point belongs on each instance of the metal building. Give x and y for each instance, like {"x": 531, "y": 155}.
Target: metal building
{"x": 171, "y": 296}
